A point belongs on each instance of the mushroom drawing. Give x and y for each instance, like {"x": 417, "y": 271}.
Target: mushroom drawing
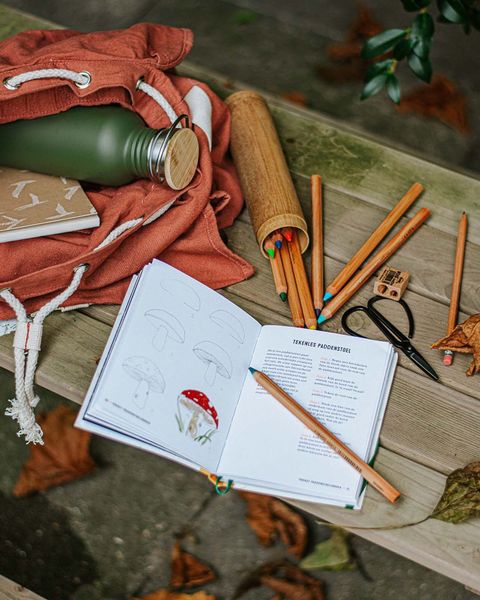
{"x": 201, "y": 412}
{"x": 216, "y": 359}
{"x": 230, "y": 324}
{"x": 167, "y": 326}
{"x": 149, "y": 378}
{"x": 182, "y": 293}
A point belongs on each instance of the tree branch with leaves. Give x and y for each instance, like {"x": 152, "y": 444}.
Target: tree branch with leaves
{"x": 412, "y": 44}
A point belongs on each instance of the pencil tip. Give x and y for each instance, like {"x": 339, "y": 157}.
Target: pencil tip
{"x": 278, "y": 244}
{"x": 252, "y": 370}
{"x": 321, "y": 319}
{"x": 271, "y": 252}
{"x": 283, "y": 296}
{"x": 314, "y": 327}
{"x": 327, "y": 296}
{"x": 317, "y": 312}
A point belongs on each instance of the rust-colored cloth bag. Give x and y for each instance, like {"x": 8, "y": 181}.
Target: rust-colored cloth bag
{"x": 46, "y": 72}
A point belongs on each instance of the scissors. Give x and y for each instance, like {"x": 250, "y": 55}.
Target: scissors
{"x": 393, "y": 335}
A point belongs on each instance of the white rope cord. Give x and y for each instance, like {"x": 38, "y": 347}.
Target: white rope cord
{"x": 158, "y": 97}
{"x": 27, "y": 345}
{"x": 81, "y": 79}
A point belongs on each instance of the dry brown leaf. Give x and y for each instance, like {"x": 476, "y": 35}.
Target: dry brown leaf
{"x": 461, "y": 497}
{"x": 440, "y": 100}
{"x": 188, "y": 571}
{"x": 296, "y": 97}
{"x": 63, "y": 457}
{"x": 164, "y": 594}
{"x": 288, "y": 581}
{"x": 465, "y": 338}
{"x": 271, "y": 518}
{"x": 349, "y": 66}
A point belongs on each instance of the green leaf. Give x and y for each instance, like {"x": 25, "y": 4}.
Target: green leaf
{"x": 382, "y": 42}
{"x": 402, "y": 49}
{"x": 422, "y": 67}
{"x": 393, "y": 88}
{"x": 423, "y": 26}
{"x": 421, "y": 47}
{"x": 461, "y": 497}
{"x": 381, "y": 66}
{"x": 331, "y": 555}
{"x": 452, "y": 10}
{"x": 373, "y": 86}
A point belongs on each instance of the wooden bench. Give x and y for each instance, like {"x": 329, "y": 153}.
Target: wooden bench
{"x": 430, "y": 428}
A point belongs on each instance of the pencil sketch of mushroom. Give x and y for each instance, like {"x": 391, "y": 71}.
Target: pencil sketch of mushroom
{"x": 201, "y": 415}
{"x": 216, "y": 359}
{"x": 229, "y": 323}
{"x": 149, "y": 378}
{"x": 167, "y": 326}
{"x": 182, "y": 293}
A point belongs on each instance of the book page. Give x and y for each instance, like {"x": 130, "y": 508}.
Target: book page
{"x": 337, "y": 378}
{"x": 173, "y": 374}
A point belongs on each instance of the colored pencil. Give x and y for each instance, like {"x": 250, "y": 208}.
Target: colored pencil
{"x": 376, "y": 481}
{"x": 277, "y": 239}
{"x": 301, "y": 280}
{"x": 277, "y": 270}
{"x": 457, "y": 282}
{"x": 292, "y": 292}
{"x": 287, "y": 233}
{"x": 374, "y": 240}
{"x": 317, "y": 249}
{"x": 373, "y": 264}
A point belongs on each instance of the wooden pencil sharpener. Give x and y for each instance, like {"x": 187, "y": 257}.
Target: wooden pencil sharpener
{"x": 391, "y": 283}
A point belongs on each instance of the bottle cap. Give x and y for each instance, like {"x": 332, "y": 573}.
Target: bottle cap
{"x": 181, "y": 159}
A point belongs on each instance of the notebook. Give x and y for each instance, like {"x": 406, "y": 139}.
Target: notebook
{"x": 34, "y": 205}
{"x": 174, "y": 380}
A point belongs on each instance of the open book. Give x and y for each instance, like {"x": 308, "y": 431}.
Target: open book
{"x": 174, "y": 380}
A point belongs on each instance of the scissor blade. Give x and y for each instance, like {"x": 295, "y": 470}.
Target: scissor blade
{"x": 418, "y": 359}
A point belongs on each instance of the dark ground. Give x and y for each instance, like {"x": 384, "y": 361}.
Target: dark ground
{"x": 109, "y": 536}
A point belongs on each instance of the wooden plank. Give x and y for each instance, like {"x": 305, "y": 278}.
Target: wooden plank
{"x": 9, "y": 590}
{"x": 354, "y": 163}
{"x": 453, "y": 550}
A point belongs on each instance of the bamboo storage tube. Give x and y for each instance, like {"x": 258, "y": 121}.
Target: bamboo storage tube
{"x": 266, "y": 182}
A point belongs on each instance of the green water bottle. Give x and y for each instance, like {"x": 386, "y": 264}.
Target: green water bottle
{"x": 109, "y": 145}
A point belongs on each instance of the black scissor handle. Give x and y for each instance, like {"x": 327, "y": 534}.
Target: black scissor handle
{"x": 394, "y": 336}
{"x": 406, "y": 308}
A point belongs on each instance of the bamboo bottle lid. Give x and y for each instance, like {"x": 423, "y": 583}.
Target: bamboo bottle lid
{"x": 181, "y": 159}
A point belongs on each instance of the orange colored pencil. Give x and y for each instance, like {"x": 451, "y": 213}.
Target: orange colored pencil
{"x": 287, "y": 233}
{"x": 292, "y": 292}
{"x": 374, "y": 479}
{"x": 374, "y": 240}
{"x": 301, "y": 280}
{"x": 457, "y": 282}
{"x": 277, "y": 269}
{"x": 317, "y": 248}
{"x": 373, "y": 264}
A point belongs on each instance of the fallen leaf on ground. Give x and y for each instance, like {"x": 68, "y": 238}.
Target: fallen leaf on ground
{"x": 286, "y": 580}
{"x": 440, "y": 100}
{"x": 296, "y": 97}
{"x": 332, "y": 554}
{"x": 188, "y": 571}
{"x": 349, "y": 66}
{"x": 164, "y": 594}
{"x": 271, "y": 519}
{"x": 63, "y": 457}
{"x": 465, "y": 338}
{"x": 461, "y": 497}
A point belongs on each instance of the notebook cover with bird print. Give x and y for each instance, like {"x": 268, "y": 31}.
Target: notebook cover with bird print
{"x": 34, "y": 205}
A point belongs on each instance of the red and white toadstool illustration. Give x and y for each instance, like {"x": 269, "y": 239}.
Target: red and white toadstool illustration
{"x": 202, "y": 415}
